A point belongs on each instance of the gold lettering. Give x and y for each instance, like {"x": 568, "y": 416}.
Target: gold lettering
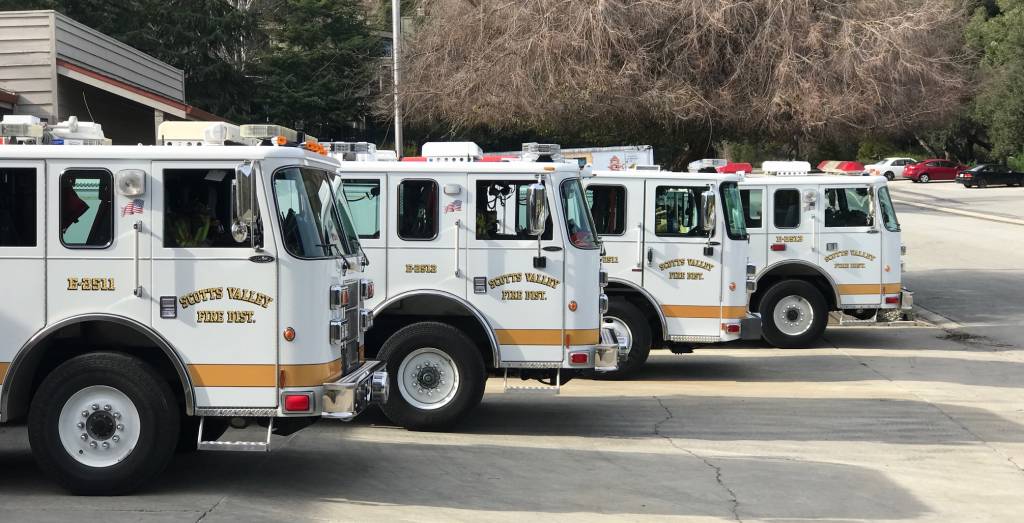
{"x": 511, "y": 295}
{"x": 609, "y": 259}
{"x": 536, "y": 295}
{"x": 72, "y": 284}
{"x": 209, "y": 316}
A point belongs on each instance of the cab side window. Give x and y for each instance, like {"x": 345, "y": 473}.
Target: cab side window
{"x": 677, "y": 212}
{"x": 18, "y": 207}
{"x": 363, "y": 197}
{"x": 751, "y": 200}
{"x": 608, "y": 207}
{"x": 417, "y": 209}
{"x": 197, "y": 209}
{"x": 86, "y": 208}
{"x": 848, "y": 207}
{"x": 501, "y": 211}
{"x": 787, "y": 208}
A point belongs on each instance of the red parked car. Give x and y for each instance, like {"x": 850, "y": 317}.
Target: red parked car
{"x": 933, "y": 169}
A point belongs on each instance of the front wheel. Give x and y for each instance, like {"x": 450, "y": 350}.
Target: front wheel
{"x": 983, "y": 183}
{"x": 632, "y": 331}
{"x": 437, "y": 376}
{"x": 793, "y": 314}
{"x": 924, "y": 178}
{"x": 103, "y": 424}
{"x": 890, "y": 176}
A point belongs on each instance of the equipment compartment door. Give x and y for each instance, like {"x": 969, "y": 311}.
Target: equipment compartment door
{"x": 215, "y": 299}
{"x": 850, "y": 244}
{"x": 22, "y": 255}
{"x": 523, "y": 303}
{"x": 686, "y": 281}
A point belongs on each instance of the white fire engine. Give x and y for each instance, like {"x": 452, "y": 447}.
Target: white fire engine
{"x": 822, "y": 243}
{"x": 158, "y": 292}
{"x": 676, "y": 257}
{"x": 477, "y": 276}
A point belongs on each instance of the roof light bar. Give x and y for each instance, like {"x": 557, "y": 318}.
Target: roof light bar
{"x": 201, "y": 133}
{"x": 352, "y": 151}
{"x": 269, "y": 131}
{"x": 533, "y": 151}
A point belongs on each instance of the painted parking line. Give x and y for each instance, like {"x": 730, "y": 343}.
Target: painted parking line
{"x": 950, "y": 210}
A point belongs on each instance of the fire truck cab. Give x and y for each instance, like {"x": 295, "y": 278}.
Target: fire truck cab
{"x": 822, "y": 243}
{"x": 676, "y": 257}
{"x": 157, "y": 293}
{"x": 482, "y": 268}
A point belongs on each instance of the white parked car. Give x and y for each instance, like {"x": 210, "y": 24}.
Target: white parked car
{"x": 891, "y": 168}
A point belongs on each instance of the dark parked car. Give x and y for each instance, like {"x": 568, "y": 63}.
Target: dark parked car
{"x": 989, "y": 174}
{"x": 932, "y": 169}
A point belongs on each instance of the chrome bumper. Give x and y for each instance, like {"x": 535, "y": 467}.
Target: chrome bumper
{"x": 346, "y": 398}
{"x": 750, "y": 327}
{"x": 608, "y": 354}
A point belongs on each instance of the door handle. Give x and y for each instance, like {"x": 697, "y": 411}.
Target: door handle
{"x": 458, "y": 232}
{"x": 136, "y": 229}
{"x": 650, "y": 256}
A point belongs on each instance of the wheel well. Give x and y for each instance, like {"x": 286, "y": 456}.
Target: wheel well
{"x": 794, "y": 271}
{"x": 83, "y": 337}
{"x": 641, "y": 302}
{"x": 429, "y": 307}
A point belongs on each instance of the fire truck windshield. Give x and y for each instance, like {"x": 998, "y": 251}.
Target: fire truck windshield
{"x": 312, "y": 225}
{"x": 578, "y": 221}
{"x": 735, "y": 223}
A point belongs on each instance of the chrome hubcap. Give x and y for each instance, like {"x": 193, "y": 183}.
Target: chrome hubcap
{"x": 793, "y": 315}
{"x": 99, "y": 426}
{"x": 428, "y": 379}
{"x": 623, "y": 335}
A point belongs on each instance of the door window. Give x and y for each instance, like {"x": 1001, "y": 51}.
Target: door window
{"x": 848, "y": 207}
{"x": 608, "y": 206}
{"x": 787, "y": 208}
{"x": 86, "y": 209}
{"x": 417, "y": 209}
{"x": 363, "y": 198}
{"x": 18, "y": 207}
{"x": 751, "y": 199}
{"x": 501, "y": 211}
{"x": 197, "y": 209}
{"x": 578, "y": 222}
{"x": 677, "y": 211}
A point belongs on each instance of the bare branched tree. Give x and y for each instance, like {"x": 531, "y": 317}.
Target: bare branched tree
{"x": 767, "y": 68}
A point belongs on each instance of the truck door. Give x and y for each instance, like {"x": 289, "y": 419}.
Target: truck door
{"x": 426, "y": 233}
{"x": 524, "y": 303}
{"x": 214, "y": 299}
{"x": 364, "y": 193}
{"x": 685, "y": 279}
{"x": 22, "y": 254}
{"x": 792, "y": 221}
{"x": 850, "y": 244}
{"x": 752, "y": 197}
{"x": 617, "y": 207}
{"x": 98, "y": 260}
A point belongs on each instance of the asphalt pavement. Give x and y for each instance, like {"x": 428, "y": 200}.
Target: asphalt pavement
{"x": 896, "y": 423}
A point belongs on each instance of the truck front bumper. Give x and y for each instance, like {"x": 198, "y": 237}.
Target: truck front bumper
{"x": 346, "y": 398}
{"x": 608, "y": 354}
{"x": 750, "y": 327}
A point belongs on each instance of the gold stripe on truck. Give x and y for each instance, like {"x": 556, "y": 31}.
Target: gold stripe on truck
{"x": 864, "y": 289}
{"x": 225, "y": 375}
{"x": 3, "y": 371}
{"x": 547, "y": 336}
{"x": 727, "y": 312}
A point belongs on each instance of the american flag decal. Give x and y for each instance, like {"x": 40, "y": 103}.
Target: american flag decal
{"x": 455, "y": 206}
{"x": 132, "y": 207}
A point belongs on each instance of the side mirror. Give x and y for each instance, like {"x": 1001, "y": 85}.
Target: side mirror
{"x": 708, "y": 207}
{"x": 243, "y": 208}
{"x": 536, "y": 208}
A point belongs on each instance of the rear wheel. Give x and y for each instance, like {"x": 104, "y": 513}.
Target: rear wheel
{"x": 631, "y": 330}
{"x": 793, "y": 314}
{"x": 983, "y": 183}
{"x": 924, "y": 178}
{"x": 437, "y": 376}
{"x": 103, "y": 424}
{"x": 890, "y": 176}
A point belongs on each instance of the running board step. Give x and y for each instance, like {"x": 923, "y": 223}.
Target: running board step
{"x": 535, "y": 389}
{"x": 234, "y": 446}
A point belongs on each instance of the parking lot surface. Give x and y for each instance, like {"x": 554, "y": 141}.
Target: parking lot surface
{"x": 901, "y": 423}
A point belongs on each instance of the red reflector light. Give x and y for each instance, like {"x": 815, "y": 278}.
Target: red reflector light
{"x": 892, "y": 300}
{"x": 778, "y": 247}
{"x": 579, "y": 357}
{"x": 731, "y": 328}
{"x": 296, "y": 402}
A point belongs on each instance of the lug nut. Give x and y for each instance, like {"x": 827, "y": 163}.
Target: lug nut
{"x": 80, "y": 425}
{"x": 117, "y": 415}
{"x": 92, "y": 444}
{"x": 106, "y": 408}
{"x": 116, "y": 438}
{"x": 84, "y": 436}
{"x": 95, "y": 406}
{"x": 120, "y": 426}
{"x": 106, "y": 445}
{"x": 85, "y": 414}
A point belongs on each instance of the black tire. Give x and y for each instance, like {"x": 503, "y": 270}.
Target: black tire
{"x": 213, "y": 429}
{"x": 777, "y": 293}
{"x": 890, "y": 176}
{"x": 462, "y": 352}
{"x": 983, "y": 183}
{"x": 158, "y": 418}
{"x": 924, "y": 178}
{"x": 641, "y": 332}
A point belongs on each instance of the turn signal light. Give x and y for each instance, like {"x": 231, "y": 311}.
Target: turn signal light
{"x": 778, "y": 247}
{"x": 297, "y": 403}
{"x": 579, "y": 358}
{"x": 289, "y": 334}
{"x": 892, "y": 300}
{"x": 280, "y": 140}
{"x": 731, "y": 328}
